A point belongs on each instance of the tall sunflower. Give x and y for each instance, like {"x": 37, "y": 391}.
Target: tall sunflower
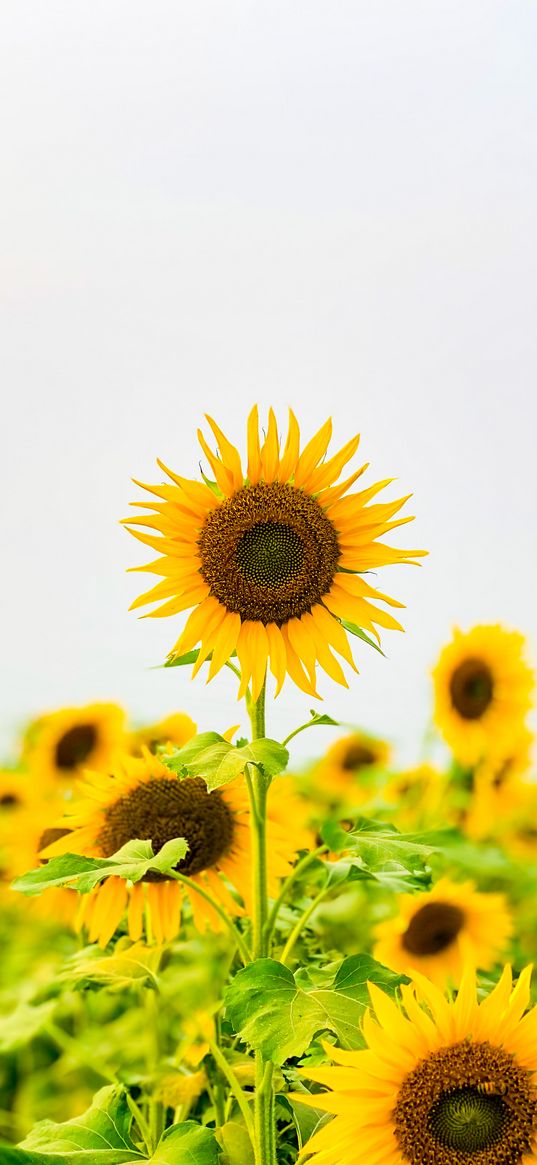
{"x": 439, "y": 1083}
{"x": 141, "y": 798}
{"x": 440, "y": 932}
{"x": 482, "y": 690}
{"x": 271, "y": 558}
{"x": 61, "y": 744}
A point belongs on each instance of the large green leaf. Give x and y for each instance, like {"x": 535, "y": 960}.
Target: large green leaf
{"x": 377, "y": 844}
{"x": 101, "y": 1135}
{"x": 219, "y": 762}
{"x": 275, "y": 1015}
{"x": 130, "y": 964}
{"x": 132, "y": 861}
{"x": 186, "y": 1144}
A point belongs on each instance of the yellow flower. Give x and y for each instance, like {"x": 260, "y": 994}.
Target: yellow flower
{"x": 443, "y": 931}
{"x": 271, "y": 558}
{"x": 141, "y": 798}
{"x": 497, "y": 788}
{"x": 173, "y": 730}
{"x": 483, "y": 688}
{"x": 418, "y": 797}
{"x": 440, "y": 1083}
{"x": 23, "y": 834}
{"x": 61, "y": 744}
{"x": 178, "y": 1089}
{"x": 15, "y": 792}
{"x": 348, "y": 767}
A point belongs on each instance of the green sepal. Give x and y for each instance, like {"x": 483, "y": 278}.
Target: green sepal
{"x": 275, "y": 1015}
{"x": 182, "y": 660}
{"x": 132, "y": 862}
{"x": 353, "y": 629}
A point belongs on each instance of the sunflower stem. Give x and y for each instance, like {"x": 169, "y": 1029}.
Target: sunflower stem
{"x": 258, "y": 786}
{"x": 298, "y": 870}
{"x": 300, "y": 924}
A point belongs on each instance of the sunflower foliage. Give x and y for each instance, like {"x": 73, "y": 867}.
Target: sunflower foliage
{"x": 212, "y": 957}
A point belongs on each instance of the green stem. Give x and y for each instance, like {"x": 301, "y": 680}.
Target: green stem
{"x": 258, "y": 786}
{"x": 235, "y": 1087}
{"x": 289, "y": 882}
{"x": 195, "y": 887}
{"x": 299, "y": 926}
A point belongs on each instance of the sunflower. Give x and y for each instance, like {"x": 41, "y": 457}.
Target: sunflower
{"x": 442, "y": 931}
{"x": 28, "y": 829}
{"x": 483, "y": 688}
{"x": 417, "y": 797}
{"x": 498, "y": 788}
{"x": 61, "y": 744}
{"x": 348, "y": 768}
{"x": 141, "y": 798}
{"x": 15, "y": 791}
{"x": 450, "y": 1085}
{"x": 271, "y": 558}
{"x": 173, "y": 730}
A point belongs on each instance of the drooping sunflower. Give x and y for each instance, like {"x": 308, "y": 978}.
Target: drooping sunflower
{"x": 349, "y": 766}
{"x": 141, "y": 798}
{"x": 441, "y": 932}
{"x": 59, "y": 745}
{"x": 498, "y": 788}
{"x": 440, "y": 1083}
{"x": 271, "y": 558}
{"x": 482, "y": 690}
{"x": 174, "y": 730}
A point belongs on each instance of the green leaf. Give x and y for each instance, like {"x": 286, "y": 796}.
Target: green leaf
{"x": 236, "y": 1144}
{"x": 130, "y": 964}
{"x": 23, "y": 1024}
{"x": 181, "y": 759}
{"x": 393, "y": 876}
{"x": 219, "y": 762}
{"x": 132, "y": 861}
{"x": 182, "y": 660}
{"x": 276, "y": 1016}
{"x": 100, "y": 1135}
{"x": 355, "y": 630}
{"x": 376, "y": 844}
{"x": 186, "y": 1144}
{"x": 317, "y": 718}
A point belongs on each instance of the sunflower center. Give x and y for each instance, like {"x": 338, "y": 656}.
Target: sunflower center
{"x": 471, "y": 688}
{"x": 469, "y": 1120}
{"x": 433, "y": 928}
{"x": 161, "y": 809}
{"x": 75, "y": 746}
{"x": 9, "y": 800}
{"x": 468, "y": 1102}
{"x": 357, "y": 756}
{"x": 269, "y": 553}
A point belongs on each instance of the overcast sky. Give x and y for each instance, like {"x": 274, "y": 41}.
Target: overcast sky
{"x": 205, "y": 204}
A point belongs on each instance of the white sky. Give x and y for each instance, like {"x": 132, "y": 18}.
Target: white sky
{"x": 324, "y": 204}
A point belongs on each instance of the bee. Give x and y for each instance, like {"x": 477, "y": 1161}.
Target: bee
{"x": 489, "y": 1088}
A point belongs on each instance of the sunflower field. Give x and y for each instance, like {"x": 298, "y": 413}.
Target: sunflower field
{"x": 212, "y": 955}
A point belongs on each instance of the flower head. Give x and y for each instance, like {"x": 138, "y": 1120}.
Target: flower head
{"x": 439, "y": 1083}
{"x": 444, "y": 930}
{"x": 483, "y": 689}
{"x": 142, "y": 799}
{"x": 271, "y": 558}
